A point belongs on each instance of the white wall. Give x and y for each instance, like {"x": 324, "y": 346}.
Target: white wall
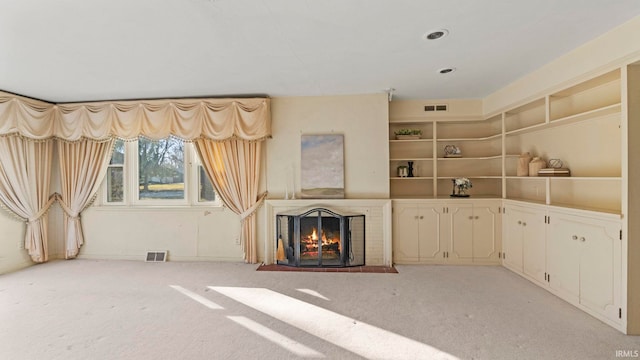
{"x": 12, "y": 253}
{"x": 363, "y": 119}
{"x": 189, "y": 233}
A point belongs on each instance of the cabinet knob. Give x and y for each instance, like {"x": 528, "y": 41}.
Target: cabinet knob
{"x": 574, "y": 237}
{"x": 519, "y": 222}
{"x": 583, "y": 239}
{"x": 477, "y": 217}
{"x": 524, "y": 224}
{"x": 470, "y": 217}
{"x": 421, "y": 217}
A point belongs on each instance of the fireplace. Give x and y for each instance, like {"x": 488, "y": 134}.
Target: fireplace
{"x": 320, "y": 238}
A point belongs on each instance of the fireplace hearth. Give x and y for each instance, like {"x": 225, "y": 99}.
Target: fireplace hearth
{"x": 320, "y": 237}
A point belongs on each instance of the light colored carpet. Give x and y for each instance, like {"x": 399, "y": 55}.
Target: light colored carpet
{"x": 84, "y": 309}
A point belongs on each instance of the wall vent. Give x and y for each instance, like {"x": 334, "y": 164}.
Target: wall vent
{"x": 156, "y": 256}
{"x": 436, "y": 107}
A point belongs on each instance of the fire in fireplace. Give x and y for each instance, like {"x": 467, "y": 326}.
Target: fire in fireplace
{"x": 320, "y": 237}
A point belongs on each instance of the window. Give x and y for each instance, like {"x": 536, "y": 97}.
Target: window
{"x": 161, "y": 169}
{"x": 115, "y": 174}
{"x": 157, "y": 173}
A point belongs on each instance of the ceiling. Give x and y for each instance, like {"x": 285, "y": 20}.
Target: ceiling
{"x": 85, "y": 50}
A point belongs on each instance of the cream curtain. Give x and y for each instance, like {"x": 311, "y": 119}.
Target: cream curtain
{"x": 83, "y": 165}
{"x": 188, "y": 119}
{"x": 25, "y": 174}
{"x": 234, "y": 169}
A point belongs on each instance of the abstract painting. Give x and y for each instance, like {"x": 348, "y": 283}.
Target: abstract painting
{"x": 322, "y": 166}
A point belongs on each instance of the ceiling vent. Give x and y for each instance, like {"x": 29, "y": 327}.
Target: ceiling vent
{"x": 436, "y": 107}
{"x": 156, "y": 256}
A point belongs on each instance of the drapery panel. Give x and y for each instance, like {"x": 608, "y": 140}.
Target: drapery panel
{"x": 83, "y": 165}
{"x": 25, "y": 179}
{"x": 188, "y": 119}
{"x": 234, "y": 169}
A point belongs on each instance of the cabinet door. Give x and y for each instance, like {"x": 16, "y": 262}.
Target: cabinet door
{"x": 534, "y": 238}
{"x": 512, "y": 241}
{"x": 563, "y": 256}
{"x": 599, "y": 267}
{"x": 461, "y": 246}
{"x": 485, "y": 239}
{"x": 429, "y": 234}
{"x": 405, "y": 233}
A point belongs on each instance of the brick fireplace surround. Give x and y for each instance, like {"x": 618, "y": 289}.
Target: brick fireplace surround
{"x": 377, "y": 219}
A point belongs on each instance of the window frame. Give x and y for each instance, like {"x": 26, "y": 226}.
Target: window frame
{"x": 131, "y": 189}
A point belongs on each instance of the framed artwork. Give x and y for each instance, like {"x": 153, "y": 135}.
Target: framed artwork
{"x": 322, "y": 166}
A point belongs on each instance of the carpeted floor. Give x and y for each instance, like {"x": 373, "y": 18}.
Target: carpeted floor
{"x": 84, "y": 309}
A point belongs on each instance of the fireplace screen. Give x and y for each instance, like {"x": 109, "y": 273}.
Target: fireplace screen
{"x": 320, "y": 238}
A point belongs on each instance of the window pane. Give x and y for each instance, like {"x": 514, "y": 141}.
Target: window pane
{"x": 161, "y": 169}
{"x": 115, "y": 189}
{"x": 206, "y": 192}
{"x": 117, "y": 157}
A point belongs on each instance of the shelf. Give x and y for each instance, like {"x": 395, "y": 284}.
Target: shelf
{"x": 566, "y": 178}
{"x": 410, "y": 159}
{"x": 528, "y": 201}
{"x": 491, "y": 137}
{"x": 471, "y": 158}
{"x": 583, "y": 178}
{"x": 525, "y": 177}
{"x": 527, "y": 129}
{"x": 411, "y": 178}
{"x": 599, "y": 112}
{"x": 587, "y": 208}
{"x": 409, "y": 141}
{"x": 470, "y": 177}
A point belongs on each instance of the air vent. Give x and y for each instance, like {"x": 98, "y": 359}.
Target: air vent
{"x": 436, "y": 107}
{"x": 156, "y": 256}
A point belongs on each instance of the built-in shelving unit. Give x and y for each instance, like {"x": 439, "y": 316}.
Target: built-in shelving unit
{"x": 579, "y": 124}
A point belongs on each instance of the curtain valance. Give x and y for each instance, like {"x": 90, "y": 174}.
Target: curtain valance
{"x": 188, "y": 119}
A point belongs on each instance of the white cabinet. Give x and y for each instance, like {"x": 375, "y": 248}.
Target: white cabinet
{"x": 416, "y": 232}
{"x": 584, "y": 262}
{"x": 474, "y": 232}
{"x": 435, "y": 232}
{"x": 524, "y": 242}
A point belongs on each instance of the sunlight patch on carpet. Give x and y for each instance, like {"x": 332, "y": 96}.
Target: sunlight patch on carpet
{"x": 313, "y": 293}
{"x": 363, "y": 339}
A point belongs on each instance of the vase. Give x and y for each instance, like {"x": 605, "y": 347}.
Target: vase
{"x": 410, "y": 172}
{"x": 523, "y": 164}
{"x": 535, "y": 165}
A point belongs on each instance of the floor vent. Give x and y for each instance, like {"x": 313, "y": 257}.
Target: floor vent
{"x": 156, "y": 256}
{"x": 438, "y": 107}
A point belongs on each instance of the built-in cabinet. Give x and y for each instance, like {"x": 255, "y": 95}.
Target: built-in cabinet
{"x": 570, "y": 235}
{"x": 574, "y": 254}
{"x": 524, "y": 241}
{"x": 584, "y": 262}
{"x": 446, "y": 232}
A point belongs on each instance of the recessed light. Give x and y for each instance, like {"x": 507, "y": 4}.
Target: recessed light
{"x": 436, "y": 34}
{"x": 446, "y": 70}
